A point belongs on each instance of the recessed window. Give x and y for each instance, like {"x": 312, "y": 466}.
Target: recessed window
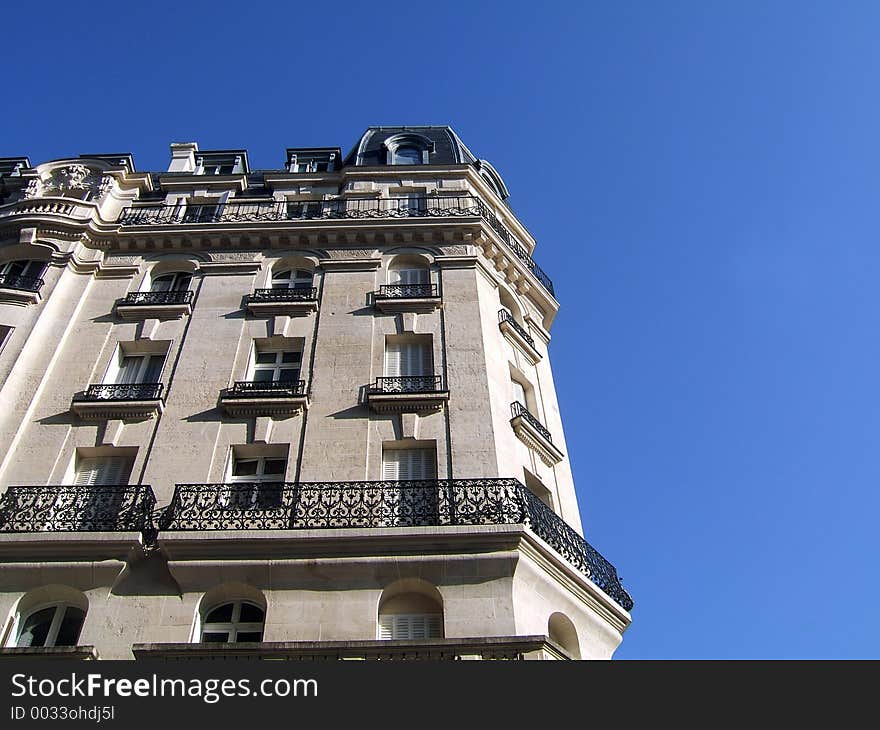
{"x": 233, "y": 621}
{"x": 255, "y": 482}
{"x": 292, "y": 279}
{"x": 57, "y": 625}
{"x": 139, "y": 369}
{"x": 409, "y": 464}
{"x": 276, "y": 365}
{"x": 201, "y": 212}
{"x": 408, "y": 358}
{"x": 175, "y": 281}
{"x": 110, "y": 470}
{"x": 5, "y": 334}
{"x": 407, "y": 155}
{"x": 411, "y": 626}
{"x": 25, "y": 275}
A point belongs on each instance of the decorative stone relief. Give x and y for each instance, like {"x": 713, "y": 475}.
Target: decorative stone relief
{"x": 351, "y": 253}
{"x": 117, "y": 260}
{"x": 455, "y": 250}
{"x": 108, "y": 182}
{"x": 76, "y": 179}
{"x": 34, "y": 189}
{"x": 231, "y": 256}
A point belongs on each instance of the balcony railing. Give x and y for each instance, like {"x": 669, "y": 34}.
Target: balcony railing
{"x": 433, "y": 502}
{"x": 24, "y": 283}
{"x": 408, "y": 384}
{"x": 69, "y": 508}
{"x": 264, "y": 389}
{"x": 299, "y": 294}
{"x": 121, "y": 391}
{"x": 406, "y": 291}
{"x": 349, "y": 208}
{"x": 505, "y": 316}
{"x": 157, "y": 297}
{"x": 517, "y": 409}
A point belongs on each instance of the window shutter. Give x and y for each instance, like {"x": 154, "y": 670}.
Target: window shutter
{"x": 410, "y": 626}
{"x": 393, "y": 360}
{"x": 519, "y": 393}
{"x": 103, "y": 470}
{"x": 406, "y": 464}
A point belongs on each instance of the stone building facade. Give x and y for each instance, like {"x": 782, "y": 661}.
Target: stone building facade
{"x": 296, "y": 412}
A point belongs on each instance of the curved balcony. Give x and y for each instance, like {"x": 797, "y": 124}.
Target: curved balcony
{"x": 384, "y": 504}
{"x": 255, "y": 211}
{"x": 265, "y": 398}
{"x": 396, "y": 298}
{"x": 518, "y": 336}
{"x": 129, "y": 401}
{"x": 283, "y": 301}
{"x": 407, "y": 393}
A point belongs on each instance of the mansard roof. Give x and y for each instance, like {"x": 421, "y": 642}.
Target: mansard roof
{"x": 443, "y": 144}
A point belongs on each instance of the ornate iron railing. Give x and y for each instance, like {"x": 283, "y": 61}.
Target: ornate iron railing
{"x": 518, "y": 410}
{"x": 24, "y": 283}
{"x": 270, "y": 389}
{"x": 406, "y": 291}
{"x": 505, "y": 316}
{"x": 121, "y": 391}
{"x": 69, "y": 508}
{"x": 299, "y": 294}
{"x": 408, "y": 384}
{"x": 347, "y": 208}
{"x": 157, "y": 297}
{"x": 432, "y": 502}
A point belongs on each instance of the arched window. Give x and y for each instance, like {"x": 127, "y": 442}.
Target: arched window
{"x": 22, "y": 274}
{"x": 407, "y": 270}
{"x": 410, "y": 614}
{"x": 292, "y": 279}
{"x": 172, "y": 281}
{"x": 407, "y": 155}
{"x": 233, "y": 621}
{"x": 54, "y": 625}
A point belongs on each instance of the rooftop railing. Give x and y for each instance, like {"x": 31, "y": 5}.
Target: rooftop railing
{"x": 347, "y": 208}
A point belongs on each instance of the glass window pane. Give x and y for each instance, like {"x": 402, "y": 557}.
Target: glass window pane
{"x": 251, "y": 614}
{"x": 289, "y": 374}
{"x": 71, "y": 625}
{"x": 266, "y": 358}
{"x": 249, "y": 636}
{"x": 244, "y": 467}
{"x": 282, "y": 275}
{"x": 291, "y": 357}
{"x": 36, "y": 628}
{"x": 215, "y": 637}
{"x": 221, "y": 614}
{"x": 264, "y": 376}
{"x": 275, "y": 466}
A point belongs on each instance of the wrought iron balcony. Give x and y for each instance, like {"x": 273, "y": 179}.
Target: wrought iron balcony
{"x": 22, "y": 283}
{"x": 152, "y": 298}
{"x": 406, "y": 291}
{"x": 121, "y": 391}
{"x": 341, "y": 209}
{"x": 506, "y": 318}
{"x": 534, "y": 434}
{"x": 265, "y": 398}
{"x": 270, "y": 388}
{"x": 408, "y": 384}
{"x": 299, "y": 294}
{"x": 70, "y": 508}
{"x": 337, "y": 505}
{"x": 517, "y": 409}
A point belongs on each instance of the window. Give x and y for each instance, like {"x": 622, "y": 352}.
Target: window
{"x": 408, "y": 276}
{"x": 410, "y": 203}
{"x": 175, "y": 281}
{"x": 139, "y": 369}
{"x": 273, "y": 366}
{"x": 22, "y": 274}
{"x": 304, "y": 208}
{"x": 56, "y": 625}
{"x": 409, "y": 464}
{"x": 201, "y": 212}
{"x": 256, "y": 478}
{"x": 110, "y": 470}
{"x": 292, "y": 279}
{"x": 233, "y": 621}
{"x": 407, "y": 155}
{"x": 408, "y": 359}
{"x": 518, "y": 393}
{"x": 5, "y": 333}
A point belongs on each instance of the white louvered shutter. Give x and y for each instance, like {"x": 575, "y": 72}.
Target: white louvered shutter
{"x": 103, "y": 470}
{"x": 519, "y": 393}
{"x": 407, "y": 358}
{"x": 410, "y": 626}
{"x": 409, "y": 276}
{"x": 405, "y": 464}
{"x": 392, "y": 360}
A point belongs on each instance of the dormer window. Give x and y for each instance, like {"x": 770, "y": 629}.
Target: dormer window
{"x": 407, "y": 155}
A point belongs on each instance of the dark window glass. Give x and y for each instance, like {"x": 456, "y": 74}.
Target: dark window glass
{"x": 221, "y": 614}
{"x": 251, "y": 613}
{"x": 71, "y": 625}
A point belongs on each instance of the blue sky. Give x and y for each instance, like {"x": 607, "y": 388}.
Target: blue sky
{"x": 702, "y": 180}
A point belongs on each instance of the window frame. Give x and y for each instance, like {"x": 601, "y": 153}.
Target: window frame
{"x": 296, "y": 279}
{"x": 276, "y": 367}
{"x": 61, "y": 608}
{"x": 233, "y": 627}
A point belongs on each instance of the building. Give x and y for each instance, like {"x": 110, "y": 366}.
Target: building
{"x": 296, "y": 412}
